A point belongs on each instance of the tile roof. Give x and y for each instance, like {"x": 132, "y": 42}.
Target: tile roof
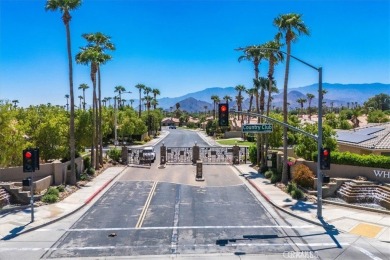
{"x": 372, "y": 136}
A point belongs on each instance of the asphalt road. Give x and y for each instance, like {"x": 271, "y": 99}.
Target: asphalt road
{"x": 164, "y": 213}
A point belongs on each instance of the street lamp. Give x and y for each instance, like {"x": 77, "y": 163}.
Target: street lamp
{"x": 116, "y": 118}
{"x": 319, "y": 136}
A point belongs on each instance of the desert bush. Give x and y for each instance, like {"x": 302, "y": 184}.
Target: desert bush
{"x": 297, "y": 194}
{"x": 61, "y": 188}
{"x": 114, "y": 154}
{"x": 276, "y": 177}
{"x": 268, "y": 174}
{"x": 303, "y": 176}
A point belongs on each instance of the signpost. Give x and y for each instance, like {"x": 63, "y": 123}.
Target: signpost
{"x": 257, "y": 128}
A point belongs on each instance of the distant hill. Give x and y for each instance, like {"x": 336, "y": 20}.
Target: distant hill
{"x": 339, "y": 94}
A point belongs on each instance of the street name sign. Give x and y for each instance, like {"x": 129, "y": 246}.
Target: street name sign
{"x": 257, "y": 128}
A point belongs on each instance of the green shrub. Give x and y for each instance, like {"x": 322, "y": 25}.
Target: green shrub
{"x": 49, "y": 198}
{"x": 114, "y": 154}
{"x": 297, "y": 194}
{"x": 87, "y": 162}
{"x": 90, "y": 171}
{"x": 83, "y": 177}
{"x": 253, "y": 154}
{"x": 61, "y": 188}
{"x": 364, "y": 160}
{"x": 276, "y": 177}
{"x": 291, "y": 186}
{"x": 303, "y": 176}
{"x": 263, "y": 169}
{"x": 52, "y": 191}
{"x": 268, "y": 174}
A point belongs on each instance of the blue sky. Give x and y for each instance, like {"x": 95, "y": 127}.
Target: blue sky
{"x": 185, "y": 46}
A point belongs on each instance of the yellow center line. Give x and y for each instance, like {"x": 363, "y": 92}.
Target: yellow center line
{"x": 146, "y": 206}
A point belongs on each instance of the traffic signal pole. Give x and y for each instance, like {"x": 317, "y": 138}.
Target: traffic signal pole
{"x": 319, "y": 146}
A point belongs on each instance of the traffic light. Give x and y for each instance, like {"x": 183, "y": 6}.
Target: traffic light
{"x": 325, "y": 159}
{"x": 223, "y": 114}
{"x": 28, "y": 160}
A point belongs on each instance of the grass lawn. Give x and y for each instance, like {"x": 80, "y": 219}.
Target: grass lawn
{"x": 234, "y": 141}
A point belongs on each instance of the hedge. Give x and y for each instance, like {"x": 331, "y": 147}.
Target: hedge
{"x": 347, "y": 158}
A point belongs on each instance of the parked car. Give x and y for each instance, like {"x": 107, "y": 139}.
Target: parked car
{"x": 172, "y": 127}
{"x": 148, "y": 154}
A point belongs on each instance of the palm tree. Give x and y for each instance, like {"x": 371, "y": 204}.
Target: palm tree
{"x": 227, "y": 98}
{"x": 251, "y": 93}
{"x": 92, "y": 55}
{"x": 102, "y": 43}
{"x": 15, "y": 101}
{"x": 290, "y": 26}
{"x": 83, "y": 87}
{"x": 131, "y": 102}
{"x": 309, "y": 98}
{"x": 65, "y": 7}
{"x": 109, "y": 100}
{"x": 273, "y": 57}
{"x": 120, "y": 90}
{"x": 240, "y": 99}
{"x": 67, "y": 102}
{"x": 155, "y": 92}
{"x": 216, "y": 100}
{"x": 81, "y": 98}
{"x": 140, "y": 87}
{"x": 205, "y": 111}
{"x": 301, "y": 101}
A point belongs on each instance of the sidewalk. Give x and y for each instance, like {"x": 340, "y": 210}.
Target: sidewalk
{"x": 345, "y": 219}
{"x": 16, "y": 222}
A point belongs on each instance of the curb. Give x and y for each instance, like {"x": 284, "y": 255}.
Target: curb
{"x": 73, "y": 211}
{"x": 265, "y": 196}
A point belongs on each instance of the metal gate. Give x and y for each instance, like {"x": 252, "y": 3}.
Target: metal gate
{"x": 135, "y": 156}
{"x": 208, "y": 155}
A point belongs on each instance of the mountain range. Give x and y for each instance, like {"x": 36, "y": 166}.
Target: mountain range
{"x": 337, "y": 94}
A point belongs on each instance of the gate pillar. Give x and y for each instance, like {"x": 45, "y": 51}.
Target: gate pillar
{"x": 125, "y": 154}
{"x": 163, "y": 154}
{"x": 236, "y": 154}
{"x": 195, "y": 153}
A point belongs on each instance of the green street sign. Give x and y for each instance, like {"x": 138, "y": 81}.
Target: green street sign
{"x": 257, "y": 128}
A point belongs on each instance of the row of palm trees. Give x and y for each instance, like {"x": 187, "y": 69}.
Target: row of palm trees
{"x": 290, "y": 27}
{"x": 94, "y": 54}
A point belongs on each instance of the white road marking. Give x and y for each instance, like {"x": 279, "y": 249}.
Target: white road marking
{"x": 159, "y": 246}
{"x": 174, "y": 227}
{"x": 367, "y": 253}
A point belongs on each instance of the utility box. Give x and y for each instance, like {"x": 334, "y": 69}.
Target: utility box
{"x": 325, "y": 179}
{"x": 26, "y": 182}
{"x": 199, "y": 171}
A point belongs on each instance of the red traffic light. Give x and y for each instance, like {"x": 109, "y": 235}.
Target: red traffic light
{"x": 326, "y": 152}
{"x": 28, "y": 155}
{"x": 223, "y": 108}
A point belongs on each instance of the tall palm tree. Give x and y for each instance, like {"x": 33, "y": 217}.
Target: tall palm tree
{"x": 67, "y": 102}
{"x": 251, "y": 93}
{"x": 240, "y": 99}
{"x": 93, "y": 55}
{"x": 216, "y": 100}
{"x": 109, "y": 100}
{"x": 65, "y": 7}
{"x": 301, "y": 101}
{"x": 140, "y": 87}
{"x": 205, "y": 111}
{"x": 255, "y": 54}
{"x": 227, "y": 98}
{"x": 273, "y": 57}
{"x": 131, "y": 102}
{"x": 309, "y": 97}
{"x": 120, "y": 90}
{"x": 83, "y": 86}
{"x": 155, "y": 92}
{"x": 81, "y": 98}
{"x": 290, "y": 26}
{"x": 102, "y": 43}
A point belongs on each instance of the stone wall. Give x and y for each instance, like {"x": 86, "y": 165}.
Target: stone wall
{"x": 55, "y": 169}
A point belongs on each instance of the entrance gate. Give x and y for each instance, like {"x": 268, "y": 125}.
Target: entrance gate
{"x": 208, "y": 155}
